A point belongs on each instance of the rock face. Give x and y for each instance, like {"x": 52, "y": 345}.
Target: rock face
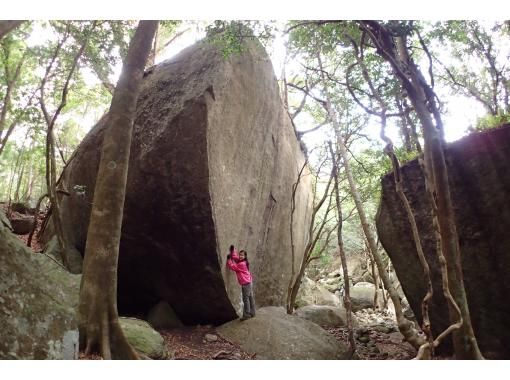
{"x": 212, "y": 163}
{"x": 480, "y": 189}
{"x": 273, "y": 334}
{"x": 37, "y": 301}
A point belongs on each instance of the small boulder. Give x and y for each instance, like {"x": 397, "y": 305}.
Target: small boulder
{"x": 20, "y": 207}
{"x": 210, "y": 338}
{"x": 73, "y": 255}
{"x": 144, "y": 338}
{"x": 21, "y": 225}
{"x": 311, "y": 293}
{"x": 273, "y": 334}
{"x": 162, "y": 316}
{"x": 324, "y": 315}
{"x": 362, "y": 296}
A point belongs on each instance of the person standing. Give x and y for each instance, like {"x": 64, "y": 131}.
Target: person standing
{"x": 240, "y": 265}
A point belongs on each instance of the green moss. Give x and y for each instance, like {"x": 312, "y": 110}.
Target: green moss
{"x": 144, "y": 338}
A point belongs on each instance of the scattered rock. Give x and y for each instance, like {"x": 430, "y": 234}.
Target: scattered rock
{"x": 211, "y": 338}
{"x": 381, "y": 328}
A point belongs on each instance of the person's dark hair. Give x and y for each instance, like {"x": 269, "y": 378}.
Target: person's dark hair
{"x": 245, "y": 258}
{"x": 231, "y": 248}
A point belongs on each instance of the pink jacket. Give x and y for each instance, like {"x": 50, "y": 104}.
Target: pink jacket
{"x": 241, "y": 269}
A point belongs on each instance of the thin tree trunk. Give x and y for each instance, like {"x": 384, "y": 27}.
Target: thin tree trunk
{"x": 99, "y": 326}
{"x": 18, "y": 185}
{"x": 373, "y": 269}
{"x": 51, "y": 186}
{"x": 347, "y": 295}
{"x": 290, "y": 302}
{"x": 36, "y": 217}
{"x": 51, "y": 166}
{"x": 295, "y": 280}
{"x": 404, "y": 325}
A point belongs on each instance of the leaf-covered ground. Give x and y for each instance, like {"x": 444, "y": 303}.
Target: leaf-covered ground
{"x": 190, "y": 343}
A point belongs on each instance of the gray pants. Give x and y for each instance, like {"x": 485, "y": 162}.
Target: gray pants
{"x": 248, "y": 301}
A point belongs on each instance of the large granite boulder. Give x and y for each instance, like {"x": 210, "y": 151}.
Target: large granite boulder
{"x": 479, "y": 179}
{"x": 37, "y": 304}
{"x": 212, "y": 163}
{"x": 274, "y": 334}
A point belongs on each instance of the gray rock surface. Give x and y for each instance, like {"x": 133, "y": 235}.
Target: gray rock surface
{"x": 212, "y": 163}
{"x": 480, "y": 189}
{"x": 328, "y": 316}
{"x": 73, "y": 255}
{"x": 37, "y": 304}
{"x": 273, "y": 334}
{"x": 362, "y": 296}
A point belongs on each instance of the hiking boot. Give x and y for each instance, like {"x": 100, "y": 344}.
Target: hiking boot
{"x": 245, "y": 317}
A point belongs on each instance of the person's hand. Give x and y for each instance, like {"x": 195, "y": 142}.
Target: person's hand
{"x": 228, "y": 257}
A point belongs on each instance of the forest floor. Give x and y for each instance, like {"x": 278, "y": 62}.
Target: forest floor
{"x": 191, "y": 343}
{"x": 203, "y": 343}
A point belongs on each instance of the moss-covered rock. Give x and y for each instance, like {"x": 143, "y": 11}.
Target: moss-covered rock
{"x": 38, "y": 299}
{"x": 144, "y": 338}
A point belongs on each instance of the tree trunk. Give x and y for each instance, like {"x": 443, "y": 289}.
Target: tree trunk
{"x": 98, "y": 316}
{"x": 394, "y": 50}
{"x": 20, "y": 180}
{"x": 314, "y": 236}
{"x": 404, "y": 325}
{"x": 51, "y": 178}
{"x": 340, "y": 240}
